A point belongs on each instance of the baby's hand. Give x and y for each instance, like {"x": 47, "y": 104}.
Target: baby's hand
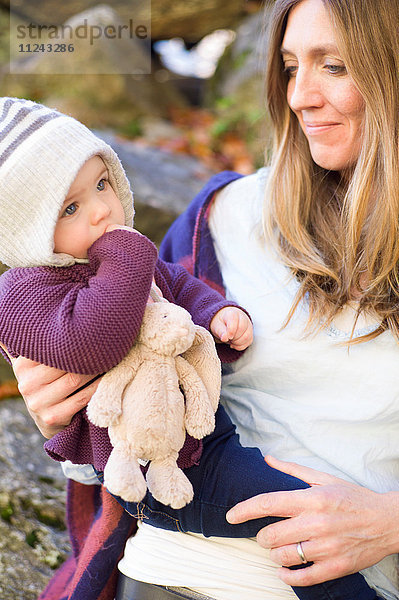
{"x": 232, "y": 326}
{"x": 114, "y": 226}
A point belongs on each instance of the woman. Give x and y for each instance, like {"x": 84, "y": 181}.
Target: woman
{"x": 318, "y": 385}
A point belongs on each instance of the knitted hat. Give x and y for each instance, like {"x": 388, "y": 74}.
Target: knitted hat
{"x": 41, "y": 152}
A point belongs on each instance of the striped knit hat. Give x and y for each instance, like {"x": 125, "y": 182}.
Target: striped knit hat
{"x": 41, "y": 152}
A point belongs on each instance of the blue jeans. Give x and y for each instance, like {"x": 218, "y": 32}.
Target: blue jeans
{"x": 229, "y": 473}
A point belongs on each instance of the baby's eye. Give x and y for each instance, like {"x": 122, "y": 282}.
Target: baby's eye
{"x": 70, "y": 210}
{"x": 101, "y": 185}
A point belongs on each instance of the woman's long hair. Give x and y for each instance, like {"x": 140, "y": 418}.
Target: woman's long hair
{"x": 338, "y": 237}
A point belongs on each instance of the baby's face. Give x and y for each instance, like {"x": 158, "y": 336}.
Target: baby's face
{"x": 90, "y": 206}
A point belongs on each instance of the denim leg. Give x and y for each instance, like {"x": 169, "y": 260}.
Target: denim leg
{"x": 351, "y": 587}
{"x": 229, "y": 473}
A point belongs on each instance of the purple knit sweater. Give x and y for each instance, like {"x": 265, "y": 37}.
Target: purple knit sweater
{"x": 85, "y": 318}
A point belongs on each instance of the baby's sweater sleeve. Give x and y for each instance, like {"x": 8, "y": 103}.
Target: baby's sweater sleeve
{"x": 82, "y": 319}
{"x": 198, "y": 298}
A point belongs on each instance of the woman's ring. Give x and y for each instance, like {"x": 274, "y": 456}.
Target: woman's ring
{"x": 301, "y": 553}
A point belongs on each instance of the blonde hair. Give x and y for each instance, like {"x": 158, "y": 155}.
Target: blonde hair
{"x": 328, "y": 231}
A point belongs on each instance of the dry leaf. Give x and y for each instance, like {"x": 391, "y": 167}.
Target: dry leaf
{"x": 8, "y": 389}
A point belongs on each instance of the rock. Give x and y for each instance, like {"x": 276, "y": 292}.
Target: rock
{"x": 107, "y": 101}
{"x": 169, "y": 18}
{"x": 237, "y": 88}
{"x": 244, "y": 59}
{"x": 33, "y": 540}
{"x": 109, "y": 82}
{"x": 92, "y": 50}
{"x": 163, "y": 183}
{"x": 153, "y": 130}
{"x": 6, "y": 372}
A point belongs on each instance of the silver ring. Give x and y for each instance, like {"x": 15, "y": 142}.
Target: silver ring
{"x": 301, "y": 553}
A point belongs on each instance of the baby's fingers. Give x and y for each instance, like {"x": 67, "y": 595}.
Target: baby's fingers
{"x": 232, "y": 321}
{"x": 242, "y": 342}
{"x": 243, "y": 336}
{"x": 221, "y": 326}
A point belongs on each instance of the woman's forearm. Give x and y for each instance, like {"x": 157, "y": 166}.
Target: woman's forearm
{"x": 392, "y": 504}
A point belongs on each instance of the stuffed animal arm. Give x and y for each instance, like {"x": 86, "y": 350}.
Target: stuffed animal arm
{"x": 105, "y": 406}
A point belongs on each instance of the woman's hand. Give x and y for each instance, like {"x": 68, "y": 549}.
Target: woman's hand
{"x": 46, "y": 390}
{"x": 342, "y": 527}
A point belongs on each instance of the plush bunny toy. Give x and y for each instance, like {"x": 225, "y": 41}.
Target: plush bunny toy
{"x": 141, "y": 402}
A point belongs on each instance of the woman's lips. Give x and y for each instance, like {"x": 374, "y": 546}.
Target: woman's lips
{"x": 318, "y": 128}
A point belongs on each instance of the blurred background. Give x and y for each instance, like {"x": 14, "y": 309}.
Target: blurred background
{"x": 199, "y": 111}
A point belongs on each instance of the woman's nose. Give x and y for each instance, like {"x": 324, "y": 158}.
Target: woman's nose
{"x": 304, "y": 91}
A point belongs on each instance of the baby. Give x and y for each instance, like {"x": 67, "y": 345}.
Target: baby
{"x": 82, "y": 276}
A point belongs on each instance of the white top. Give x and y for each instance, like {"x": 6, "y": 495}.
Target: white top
{"x": 302, "y": 399}
{"x": 222, "y": 568}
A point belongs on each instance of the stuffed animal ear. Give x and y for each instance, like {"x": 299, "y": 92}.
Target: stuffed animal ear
{"x": 203, "y": 357}
{"x": 156, "y": 294}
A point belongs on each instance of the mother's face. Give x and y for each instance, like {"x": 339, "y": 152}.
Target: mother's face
{"x": 320, "y": 92}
